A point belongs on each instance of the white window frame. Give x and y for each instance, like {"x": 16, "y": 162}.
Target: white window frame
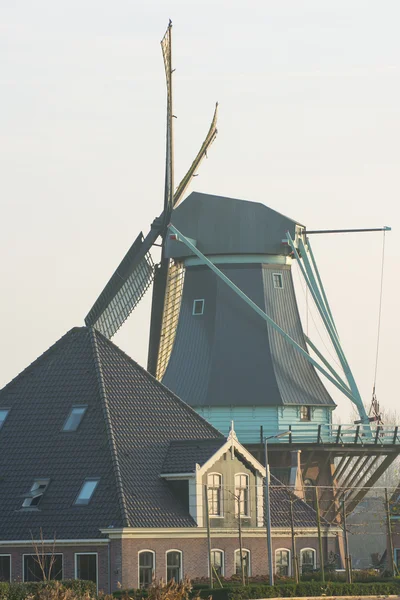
{"x": 289, "y": 560}
{"x": 166, "y": 563}
{"x": 313, "y": 550}
{"x": 138, "y": 562}
{"x": 249, "y": 555}
{"x": 10, "y": 557}
{"x": 277, "y": 287}
{"x": 198, "y": 314}
{"x": 7, "y": 411}
{"x": 223, "y": 560}
{"x": 85, "y": 406}
{"x": 248, "y": 514}
{"x": 221, "y": 515}
{"x": 42, "y": 554}
{"x": 76, "y": 554}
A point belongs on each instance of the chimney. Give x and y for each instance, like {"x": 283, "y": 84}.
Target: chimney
{"x": 296, "y": 480}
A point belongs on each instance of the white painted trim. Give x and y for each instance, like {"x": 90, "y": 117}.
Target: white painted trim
{"x": 313, "y": 550}
{"x": 76, "y": 554}
{"x": 10, "y": 557}
{"x": 45, "y": 554}
{"x": 232, "y": 442}
{"x": 181, "y": 563}
{"x": 223, "y": 560}
{"x": 289, "y": 560}
{"x": 198, "y": 314}
{"x": 248, "y": 515}
{"x": 138, "y": 562}
{"x": 58, "y": 542}
{"x": 249, "y": 554}
{"x": 201, "y": 532}
{"x": 227, "y": 259}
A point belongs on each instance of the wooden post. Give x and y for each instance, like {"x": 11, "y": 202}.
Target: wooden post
{"x": 210, "y": 566}
{"x": 321, "y": 551}
{"x": 240, "y": 540}
{"x": 346, "y": 543}
{"x": 295, "y": 568}
{"x": 390, "y": 537}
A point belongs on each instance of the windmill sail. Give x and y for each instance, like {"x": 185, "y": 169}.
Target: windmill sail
{"x": 126, "y": 287}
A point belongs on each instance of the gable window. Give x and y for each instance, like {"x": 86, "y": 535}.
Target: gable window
{"x": 3, "y": 416}
{"x": 246, "y": 562}
{"x": 307, "y": 560}
{"x": 87, "y": 491}
{"x": 242, "y": 495}
{"x": 174, "y": 565}
{"x": 33, "y": 498}
{"x": 198, "y": 307}
{"x": 146, "y": 567}
{"x": 214, "y": 484}
{"x": 5, "y": 567}
{"x": 305, "y": 413}
{"x": 282, "y": 562}
{"x": 43, "y": 567}
{"x": 277, "y": 279}
{"x": 74, "y": 418}
{"x": 86, "y": 566}
{"x": 217, "y": 562}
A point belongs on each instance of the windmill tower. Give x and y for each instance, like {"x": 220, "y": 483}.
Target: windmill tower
{"x": 226, "y": 335}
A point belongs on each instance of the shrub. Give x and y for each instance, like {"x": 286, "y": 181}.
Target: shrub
{"x": 69, "y": 589}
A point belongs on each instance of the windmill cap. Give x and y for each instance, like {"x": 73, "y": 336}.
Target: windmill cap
{"x": 221, "y": 225}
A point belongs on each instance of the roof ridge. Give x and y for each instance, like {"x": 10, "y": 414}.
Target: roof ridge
{"x": 109, "y": 428}
{"x": 160, "y": 385}
{"x": 57, "y": 345}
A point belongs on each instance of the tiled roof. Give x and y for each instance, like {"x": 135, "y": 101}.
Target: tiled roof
{"x": 182, "y": 456}
{"x": 280, "y": 499}
{"x": 123, "y": 438}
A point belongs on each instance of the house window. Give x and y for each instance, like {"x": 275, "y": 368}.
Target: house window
{"x": 87, "y": 490}
{"x": 214, "y": 484}
{"x": 242, "y": 495}
{"x": 40, "y": 567}
{"x": 307, "y": 560}
{"x": 217, "y": 562}
{"x": 174, "y": 565}
{"x": 277, "y": 279}
{"x": 246, "y": 562}
{"x": 305, "y": 413}
{"x": 5, "y": 567}
{"x": 146, "y": 567}
{"x": 3, "y": 416}
{"x": 33, "y": 498}
{"x": 86, "y": 566}
{"x": 198, "y": 307}
{"x": 74, "y": 418}
{"x": 282, "y": 562}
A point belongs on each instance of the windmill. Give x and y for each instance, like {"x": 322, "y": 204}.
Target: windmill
{"x": 137, "y": 271}
{"x": 226, "y": 334}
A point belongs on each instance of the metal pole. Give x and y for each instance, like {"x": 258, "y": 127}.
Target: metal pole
{"x": 346, "y": 542}
{"x": 240, "y": 540}
{"x": 295, "y": 566}
{"x": 268, "y": 517}
{"x": 346, "y": 230}
{"x": 321, "y": 551}
{"x": 208, "y": 535}
{"x": 390, "y": 537}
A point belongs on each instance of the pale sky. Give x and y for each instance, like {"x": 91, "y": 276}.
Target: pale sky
{"x": 309, "y": 95}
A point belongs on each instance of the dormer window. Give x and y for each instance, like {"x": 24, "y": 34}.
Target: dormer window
{"x": 33, "y": 498}
{"x": 277, "y": 279}
{"x": 198, "y": 307}
{"x": 3, "y": 416}
{"x": 74, "y": 418}
{"x": 87, "y": 491}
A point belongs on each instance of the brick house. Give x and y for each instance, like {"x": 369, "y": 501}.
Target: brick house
{"x": 110, "y": 469}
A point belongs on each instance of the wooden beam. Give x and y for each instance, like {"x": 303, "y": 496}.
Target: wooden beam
{"x": 379, "y": 471}
{"x": 308, "y": 462}
{"x": 347, "y": 481}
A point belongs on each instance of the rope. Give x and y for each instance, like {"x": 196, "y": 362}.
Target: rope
{"x": 379, "y": 312}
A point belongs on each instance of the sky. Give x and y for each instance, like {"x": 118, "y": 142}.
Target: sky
{"x": 309, "y": 97}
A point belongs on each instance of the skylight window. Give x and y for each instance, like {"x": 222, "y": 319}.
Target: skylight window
{"x": 87, "y": 490}
{"x": 3, "y": 416}
{"x": 36, "y": 493}
{"x": 74, "y": 418}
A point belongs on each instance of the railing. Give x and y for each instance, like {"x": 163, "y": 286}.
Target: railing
{"x": 306, "y": 433}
